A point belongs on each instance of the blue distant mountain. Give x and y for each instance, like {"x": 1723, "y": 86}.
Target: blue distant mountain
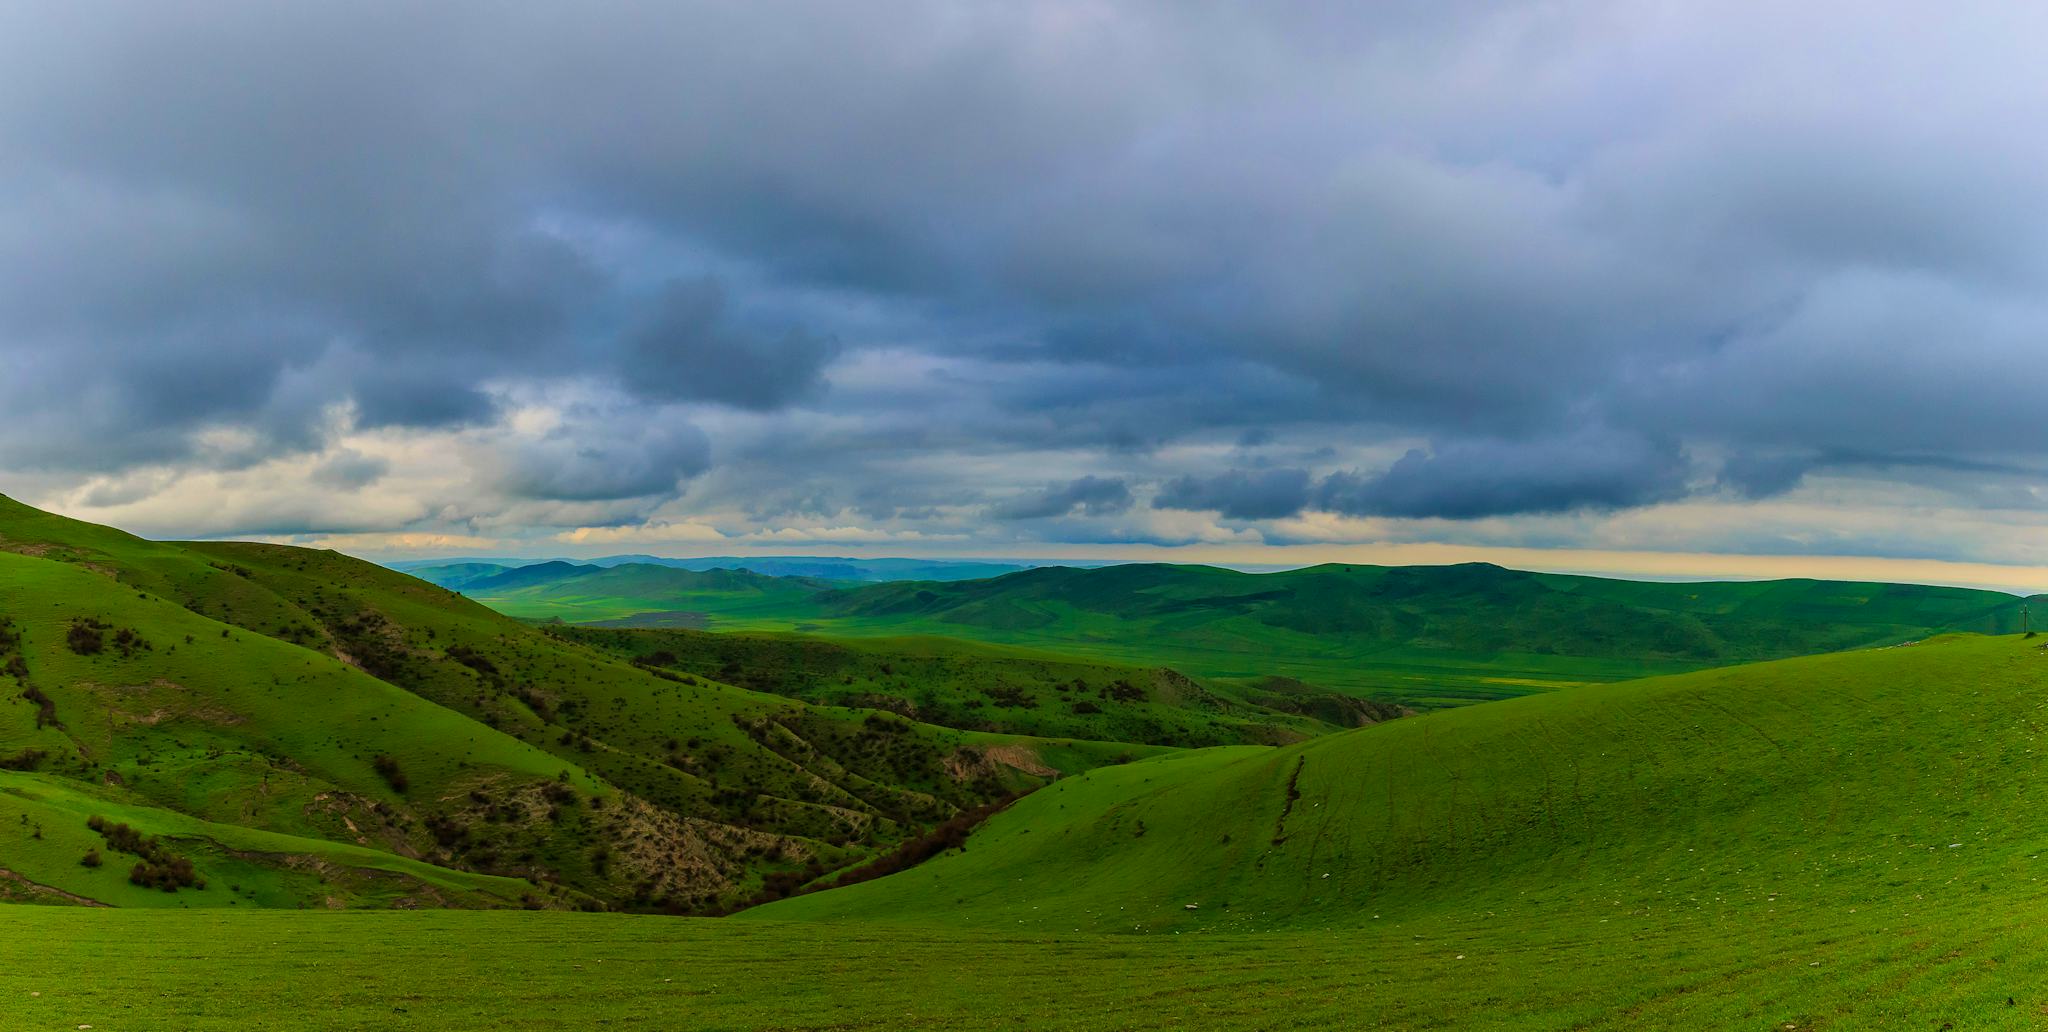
{"x": 458, "y": 572}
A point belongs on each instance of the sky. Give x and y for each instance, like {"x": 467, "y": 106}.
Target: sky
{"x": 1641, "y": 287}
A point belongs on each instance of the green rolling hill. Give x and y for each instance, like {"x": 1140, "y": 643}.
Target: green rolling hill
{"x": 997, "y": 688}
{"x": 306, "y": 694}
{"x": 1872, "y": 780}
{"x": 1420, "y": 636}
{"x": 1835, "y": 842}
{"x": 272, "y": 754}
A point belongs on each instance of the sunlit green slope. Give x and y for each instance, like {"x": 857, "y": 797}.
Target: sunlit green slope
{"x": 304, "y": 693}
{"x": 1874, "y": 781}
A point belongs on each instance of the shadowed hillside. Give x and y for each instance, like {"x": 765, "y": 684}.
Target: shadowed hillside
{"x": 302, "y": 693}
{"x": 998, "y": 688}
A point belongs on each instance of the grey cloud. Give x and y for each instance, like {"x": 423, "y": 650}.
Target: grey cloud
{"x": 1761, "y": 476}
{"x": 1089, "y": 496}
{"x": 1471, "y": 479}
{"x": 689, "y": 349}
{"x": 351, "y": 471}
{"x": 1567, "y": 243}
{"x": 607, "y": 460}
{"x": 1239, "y": 494}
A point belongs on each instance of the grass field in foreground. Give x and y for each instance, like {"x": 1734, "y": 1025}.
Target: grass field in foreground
{"x": 1838, "y": 842}
{"x": 450, "y": 971}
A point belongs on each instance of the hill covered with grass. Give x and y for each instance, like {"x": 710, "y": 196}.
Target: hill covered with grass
{"x": 1857, "y": 788}
{"x": 397, "y": 743}
{"x": 1424, "y": 636}
{"x": 1835, "y": 842}
{"x": 975, "y": 686}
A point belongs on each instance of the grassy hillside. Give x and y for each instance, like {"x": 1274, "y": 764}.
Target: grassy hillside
{"x": 645, "y": 595}
{"x": 239, "y": 866}
{"x": 1837, "y": 842}
{"x": 1877, "y": 782}
{"x": 1421, "y": 636}
{"x": 996, "y": 688}
{"x": 308, "y": 694}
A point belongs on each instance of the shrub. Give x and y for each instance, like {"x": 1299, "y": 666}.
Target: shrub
{"x": 128, "y": 643}
{"x": 85, "y": 638}
{"x": 158, "y": 867}
{"x": 46, "y": 708}
{"x": 473, "y": 659}
{"x": 387, "y": 766}
{"x": 952, "y": 834}
{"x": 27, "y": 759}
{"x": 170, "y": 874}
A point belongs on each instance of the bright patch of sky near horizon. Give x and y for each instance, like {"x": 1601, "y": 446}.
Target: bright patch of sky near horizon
{"x": 1665, "y": 288}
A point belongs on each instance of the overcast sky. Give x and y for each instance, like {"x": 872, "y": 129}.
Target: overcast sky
{"x": 1554, "y": 281}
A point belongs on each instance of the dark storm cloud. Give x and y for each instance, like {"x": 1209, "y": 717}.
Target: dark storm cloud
{"x": 1761, "y": 476}
{"x": 1470, "y": 479}
{"x": 689, "y": 350}
{"x": 607, "y": 459}
{"x": 1088, "y": 496}
{"x": 1239, "y": 494}
{"x": 1569, "y": 245}
{"x": 350, "y": 471}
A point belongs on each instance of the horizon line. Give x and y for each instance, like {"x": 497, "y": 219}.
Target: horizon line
{"x": 1669, "y": 566}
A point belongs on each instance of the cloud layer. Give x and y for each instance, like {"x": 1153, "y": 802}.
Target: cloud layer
{"x": 972, "y": 275}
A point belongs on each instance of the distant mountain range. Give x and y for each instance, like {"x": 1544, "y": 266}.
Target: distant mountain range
{"x": 453, "y": 572}
{"x": 1422, "y": 636}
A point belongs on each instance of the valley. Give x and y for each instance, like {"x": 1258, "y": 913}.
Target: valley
{"x": 297, "y": 757}
{"x": 1424, "y": 637}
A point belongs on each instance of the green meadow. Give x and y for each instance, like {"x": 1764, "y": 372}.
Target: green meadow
{"x": 252, "y": 786}
{"x": 205, "y": 971}
{"x": 1837, "y": 842}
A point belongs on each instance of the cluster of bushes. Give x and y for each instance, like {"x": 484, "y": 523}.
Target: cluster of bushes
{"x": 15, "y": 665}
{"x": 46, "y": 708}
{"x": 950, "y": 834}
{"x": 452, "y": 835}
{"x": 1012, "y": 696}
{"x": 86, "y": 637}
{"x": 89, "y": 637}
{"x": 387, "y": 768}
{"x": 1123, "y": 691}
{"x": 474, "y": 660}
{"x": 156, "y": 868}
{"x": 538, "y": 703}
{"x": 369, "y": 643}
{"x": 781, "y": 884}
{"x": 27, "y": 759}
